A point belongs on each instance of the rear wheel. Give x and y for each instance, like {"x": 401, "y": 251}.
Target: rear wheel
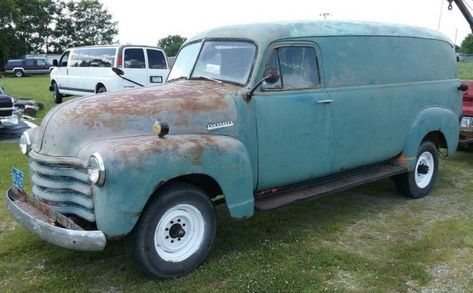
{"x": 101, "y": 89}
{"x": 419, "y": 182}
{"x": 19, "y": 73}
{"x": 175, "y": 232}
{"x": 57, "y": 97}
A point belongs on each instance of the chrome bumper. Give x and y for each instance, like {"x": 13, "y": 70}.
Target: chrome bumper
{"x": 49, "y": 225}
{"x": 9, "y": 121}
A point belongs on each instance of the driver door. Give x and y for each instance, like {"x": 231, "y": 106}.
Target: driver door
{"x": 61, "y": 71}
{"x": 294, "y": 119}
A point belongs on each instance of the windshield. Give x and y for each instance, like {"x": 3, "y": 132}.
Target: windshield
{"x": 221, "y": 60}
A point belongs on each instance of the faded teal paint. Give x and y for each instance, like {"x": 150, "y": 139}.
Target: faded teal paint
{"x": 385, "y": 100}
{"x": 137, "y": 167}
{"x": 446, "y": 122}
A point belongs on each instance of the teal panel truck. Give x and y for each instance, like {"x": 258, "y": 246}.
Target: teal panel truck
{"x": 254, "y": 117}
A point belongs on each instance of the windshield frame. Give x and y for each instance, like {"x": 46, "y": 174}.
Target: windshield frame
{"x": 202, "y": 42}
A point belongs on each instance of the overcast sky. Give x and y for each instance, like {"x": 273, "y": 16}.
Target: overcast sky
{"x": 146, "y": 21}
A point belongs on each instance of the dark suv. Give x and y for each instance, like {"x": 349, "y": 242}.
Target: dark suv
{"x": 21, "y": 67}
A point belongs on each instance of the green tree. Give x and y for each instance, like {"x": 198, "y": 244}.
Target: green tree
{"x": 467, "y": 45}
{"x": 33, "y": 23}
{"x": 82, "y": 23}
{"x": 171, "y": 44}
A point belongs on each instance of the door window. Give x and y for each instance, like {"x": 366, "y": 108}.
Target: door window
{"x": 156, "y": 59}
{"x": 64, "y": 58}
{"x": 134, "y": 58}
{"x": 297, "y": 66}
{"x": 41, "y": 62}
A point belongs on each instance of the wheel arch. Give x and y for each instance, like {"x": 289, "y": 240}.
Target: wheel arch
{"x": 216, "y": 164}
{"x": 99, "y": 85}
{"x": 437, "y": 124}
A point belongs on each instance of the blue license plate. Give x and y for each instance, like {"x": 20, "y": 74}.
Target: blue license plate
{"x": 17, "y": 177}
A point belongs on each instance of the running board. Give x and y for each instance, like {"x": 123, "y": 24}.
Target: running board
{"x": 276, "y": 198}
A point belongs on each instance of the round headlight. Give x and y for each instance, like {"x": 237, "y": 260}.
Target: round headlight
{"x": 96, "y": 169}
{"x": 25, "y": 143}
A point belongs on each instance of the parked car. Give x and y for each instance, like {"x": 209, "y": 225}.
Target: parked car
{"x": 253, "y": 116}
{"x": 86, "y": 71}
{"x": 7, "y": 118}
{"x": 13, "y": 111}
{"x": 466, "y": 124}
{"x": 28, "y": 66}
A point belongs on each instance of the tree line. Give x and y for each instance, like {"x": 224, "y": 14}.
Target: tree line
{"x": 51, "y": 26}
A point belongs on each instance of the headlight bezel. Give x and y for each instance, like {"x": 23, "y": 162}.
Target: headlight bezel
{"x": 25, "y": 143}
{"x": 96, "y": 169}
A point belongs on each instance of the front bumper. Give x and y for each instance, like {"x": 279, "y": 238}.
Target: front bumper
{"x": 9, "y": 121}
{"x": 49, "y": 225}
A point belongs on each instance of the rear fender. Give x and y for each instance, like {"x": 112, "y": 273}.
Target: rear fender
{"x": 429, "y": 120}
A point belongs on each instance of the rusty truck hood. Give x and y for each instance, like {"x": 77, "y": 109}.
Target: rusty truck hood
{"x": 187, "y": 106}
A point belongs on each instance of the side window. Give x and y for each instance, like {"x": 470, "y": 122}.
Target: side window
{"x": 156, "y": 59}
{"x": 101, "y": 57}
{"x": 134, "y": 58}
{"x": 78, "y": 58}
{"x": 64, "y": 58}
{"x": 41, "y": 62}
{"x": 30, "y": 63}
{"x": 298, "y": 68}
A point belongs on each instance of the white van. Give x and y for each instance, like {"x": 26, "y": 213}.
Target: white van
{"x": 85, "y": 71}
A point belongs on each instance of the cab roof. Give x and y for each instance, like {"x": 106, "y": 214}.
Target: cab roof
{"x": 264, "y": 33}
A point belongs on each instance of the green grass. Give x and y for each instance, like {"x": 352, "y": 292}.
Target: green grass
{"x": 465, "y": 70}
{"x": 365, "y": 239}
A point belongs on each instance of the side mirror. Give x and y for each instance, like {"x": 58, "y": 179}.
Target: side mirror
{"x": 118, "y": 71}
{"x": 463, "y": 87}
{"x": 55, "y": 63}
{"x": 271, "y": 75}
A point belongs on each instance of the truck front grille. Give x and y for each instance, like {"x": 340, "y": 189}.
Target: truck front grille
{"x": 63, "y": 184}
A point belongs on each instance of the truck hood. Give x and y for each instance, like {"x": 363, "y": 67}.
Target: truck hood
{"x": 189, "y": 107}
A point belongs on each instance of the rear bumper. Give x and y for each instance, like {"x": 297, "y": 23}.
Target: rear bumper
{"x": 49, "y": 225}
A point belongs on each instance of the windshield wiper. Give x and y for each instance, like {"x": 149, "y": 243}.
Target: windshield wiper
{"x": 208, "y": 78}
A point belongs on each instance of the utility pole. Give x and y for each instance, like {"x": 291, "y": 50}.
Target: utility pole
{"x": 325, "y": 14}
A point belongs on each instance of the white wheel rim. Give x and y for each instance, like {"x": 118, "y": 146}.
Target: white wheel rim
{"x": 424, "y": 169}
{"x": 179, "y": 233}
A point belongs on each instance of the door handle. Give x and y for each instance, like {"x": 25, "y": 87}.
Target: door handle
{"x": 325, "y": 101}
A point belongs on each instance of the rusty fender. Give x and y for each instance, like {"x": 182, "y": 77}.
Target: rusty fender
{"x": 447, "y": 124}
{"x": 135, "y": 166}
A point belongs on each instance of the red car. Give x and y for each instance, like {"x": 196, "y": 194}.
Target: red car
{"x": 466, "y": 124}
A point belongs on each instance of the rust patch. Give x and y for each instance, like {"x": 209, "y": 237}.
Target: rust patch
{"x": 267, "y": 191}
{"x": 192, "y": 148}
{"x": 41, "y": 210}
{"x": 185, "y": 97}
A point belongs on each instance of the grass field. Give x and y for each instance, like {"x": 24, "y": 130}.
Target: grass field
{"x": 364, "y": 239}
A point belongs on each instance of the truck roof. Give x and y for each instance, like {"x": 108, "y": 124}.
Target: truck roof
{"x": 264, "y": 33}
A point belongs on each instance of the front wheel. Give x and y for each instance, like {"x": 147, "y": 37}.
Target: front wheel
{"x": 175, "y": 232}
{"x": 419, "y": 182}
{"x": 57, "y": 97}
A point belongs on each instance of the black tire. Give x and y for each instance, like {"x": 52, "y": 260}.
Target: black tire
{"x": 57, "y": 97}
{"x": 407, "y": 184}
{"x": 19, "y": 73}
{"x": 101, "y": 89}
{"x": 161, "y": 223}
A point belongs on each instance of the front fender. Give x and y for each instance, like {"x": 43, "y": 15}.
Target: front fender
{"x": 136, "y": 166}
{"x": 428, "y": 120}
